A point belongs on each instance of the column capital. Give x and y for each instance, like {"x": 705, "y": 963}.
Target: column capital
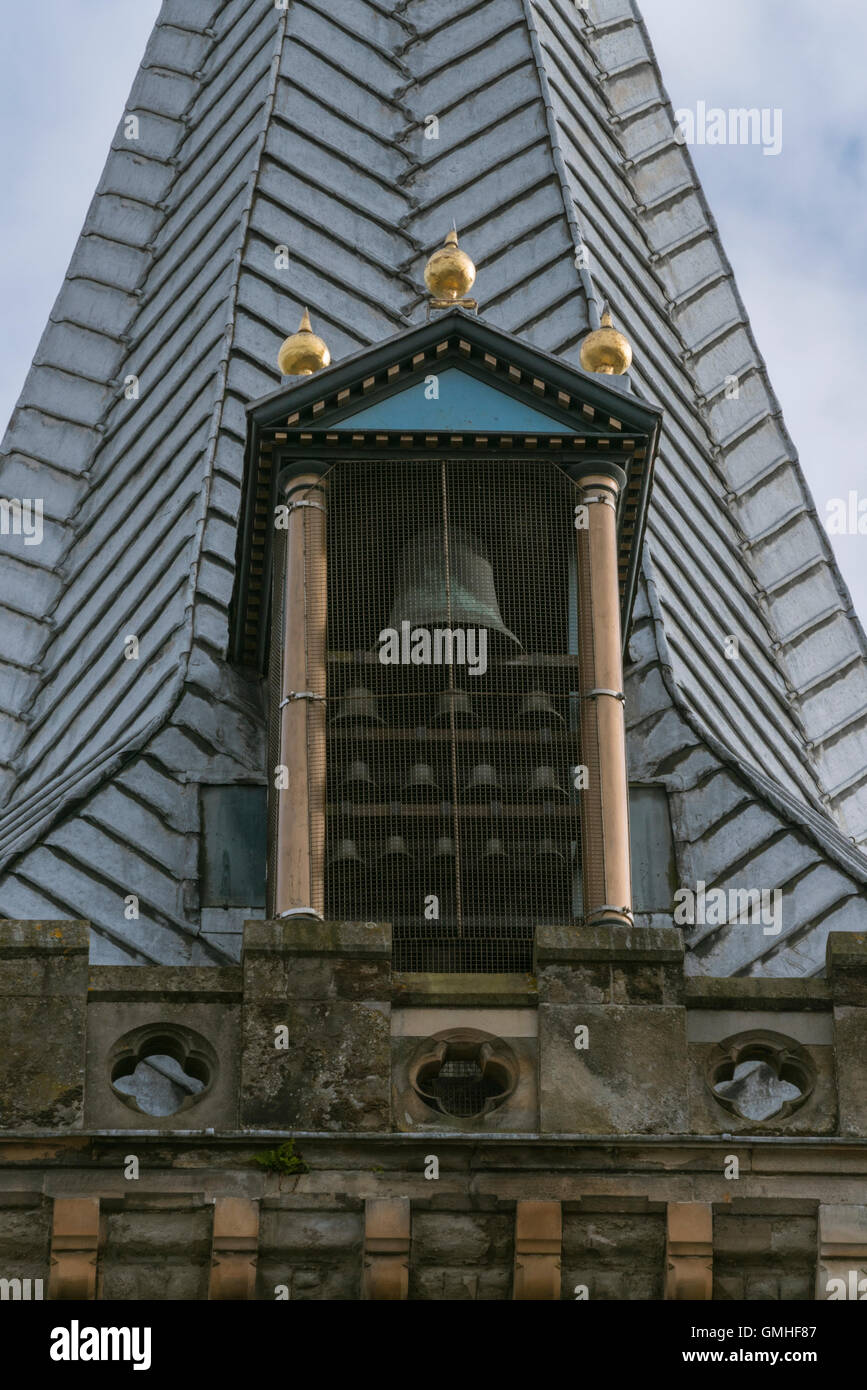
{"x": 589, "y": 471}
{"x": 300, "y": 474}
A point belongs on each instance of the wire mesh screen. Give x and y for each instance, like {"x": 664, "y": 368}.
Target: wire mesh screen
{"x": 452, "y": 741}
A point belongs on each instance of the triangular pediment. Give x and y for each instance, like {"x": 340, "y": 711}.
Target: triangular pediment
{"x": 451, "y": 400}
{"x": 457, "y": 374}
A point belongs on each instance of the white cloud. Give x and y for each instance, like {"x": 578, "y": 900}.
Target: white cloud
{"x": 793, "y": 226}
{"x": 66, "y": 69}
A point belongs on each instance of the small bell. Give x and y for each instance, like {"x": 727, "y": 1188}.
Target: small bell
{"x": 396, "y": 855}
{"x": 441, "y": 869}
{"x": 421, "y": 787}
{"x": 494, "y": 859}
{"x": 345, "y": 873}
{"x": 457, "y": 703}
{"x": 358, "y": 785}
{"x": 538, "y": 712}
{"x": 483, "y": 784}
{"x": 545, "y": 787}
{"x": 548, "y": 856}
{"x": 444, "y": 851}
{"x": 358, "y": 707}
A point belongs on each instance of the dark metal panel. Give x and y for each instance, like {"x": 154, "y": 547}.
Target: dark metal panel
{"x": 233, "y": 846}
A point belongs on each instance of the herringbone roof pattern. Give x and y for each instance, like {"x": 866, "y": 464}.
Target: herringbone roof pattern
{"x": 352, "y": 135}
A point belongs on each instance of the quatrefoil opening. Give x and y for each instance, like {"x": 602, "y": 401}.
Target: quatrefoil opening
{"x": 464, "y": 1073}
{"x": 161, "y": 1068}
{"x": 760, "y": 1076}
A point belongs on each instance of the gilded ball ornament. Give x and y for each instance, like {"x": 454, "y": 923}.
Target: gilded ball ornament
{"x": 606, "y": 350}
{"x": 304, "y": 352}
{"x": 449, "y": 273}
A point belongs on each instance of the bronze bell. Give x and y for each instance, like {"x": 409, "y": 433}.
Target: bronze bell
{"x": 483, "y": 784}
{"x": 421, "y": 786}
{"x": 455, "y": 702}
{"x": 495, "y": 859}
{"x": 358, "y": 706}
{"x": 358, "y": 785}
{"x": 538, "y": 712}
{"x": 545, "y": 787}
{"x": 469, "y": 599}
{"x": 396, "y": 855}
{"x": 441, "y": 867}
{"x": 345, "y": 868}
{"x": 444, "y": 853}
{"x": 548, "y": 856}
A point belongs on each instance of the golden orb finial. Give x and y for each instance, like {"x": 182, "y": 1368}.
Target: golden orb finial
{"x": 606, "y": 350}
{"x": 449, "y": 273}
{"x": 304, "y": 352}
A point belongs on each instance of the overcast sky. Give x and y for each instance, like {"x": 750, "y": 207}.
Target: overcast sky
{"x": 793, "y": 225}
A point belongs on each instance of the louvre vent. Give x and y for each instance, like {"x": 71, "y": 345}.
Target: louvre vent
{"x": 453, "y": 721}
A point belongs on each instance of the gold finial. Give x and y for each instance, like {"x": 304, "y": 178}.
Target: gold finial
{"x": 449, "y": 274}
{"x": 303, "y": 353}
{"x": 606, "y": 350}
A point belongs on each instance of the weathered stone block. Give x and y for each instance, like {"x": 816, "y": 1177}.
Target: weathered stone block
{"x": 325, "y": 989}
{"x": 846, "y": 965}
{"x": 631, "y": 1078}
{"x": 627, "y": 1074}
{"x": 43, "y": 984}
{"x": 850, "y": 1037}
{"x": 156, "y": 1253}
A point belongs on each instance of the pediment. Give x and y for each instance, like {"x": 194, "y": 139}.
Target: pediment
{"x": 457, "y": 375}
{"x": 452, "y": 400}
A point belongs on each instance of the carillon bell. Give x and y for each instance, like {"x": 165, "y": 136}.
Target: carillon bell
{"x": 547, "y": 855}
{"x": 345, "y": 872}
{"x": 395, "y": 870}
{"x": 435, "y": 594}
{"x": 444, "y": 852}
{"x": 483, "y": 784}
{"x": 358, "y": 707}
{"x": 454, "y": 704}
{"x": 421, "y": 786}
{"x": 358, "y": 785}
{"x": 442, "y": 867}
{"x": 539, "y": 712}
{"x": 545, "y": 787}
{"x": 495, "y": 860}
{"x": 396, "y": 857}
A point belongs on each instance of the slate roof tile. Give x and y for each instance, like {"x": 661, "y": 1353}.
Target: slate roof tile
{"x": 306, "y": 127}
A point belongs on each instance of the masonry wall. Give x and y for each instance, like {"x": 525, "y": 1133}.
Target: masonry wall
{"x": 611, "y": 1159}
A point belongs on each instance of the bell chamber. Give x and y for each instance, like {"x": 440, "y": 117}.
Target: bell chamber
{"x": 452, "y": 735}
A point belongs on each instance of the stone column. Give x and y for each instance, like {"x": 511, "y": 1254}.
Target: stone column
{"x": 386, "y": 1248}
{"x": 538, "y": 1241}
{"x": 605, "y": 801}
{"x": 74, "y": 1248}
{"x": 300, "y": 850}
{"x": 689, "y": 1251}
